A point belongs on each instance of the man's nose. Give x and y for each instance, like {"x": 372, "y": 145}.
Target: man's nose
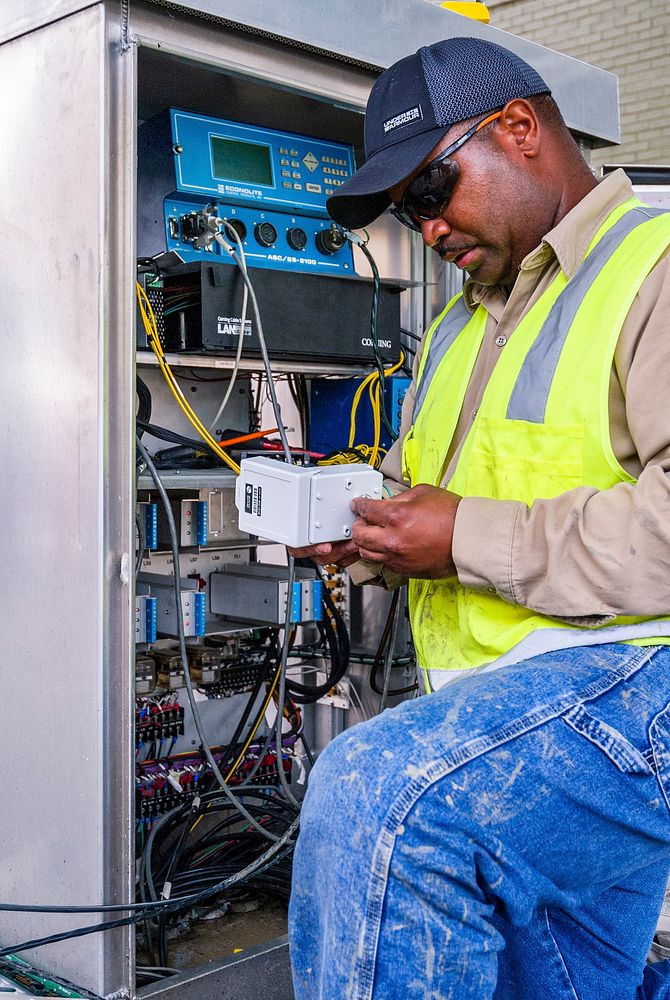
{"x": 433, "y": 230}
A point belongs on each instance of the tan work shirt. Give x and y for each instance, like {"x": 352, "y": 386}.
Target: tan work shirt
{"x": 585, "y": 554}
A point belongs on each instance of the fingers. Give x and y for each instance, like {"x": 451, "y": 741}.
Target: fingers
{"x": 372, "y": 511}
{"x": 371, "y": 541}
{"x": 344, "y": 550}
{"x": 342, "y": 553}
{"x": 310, "y": 551}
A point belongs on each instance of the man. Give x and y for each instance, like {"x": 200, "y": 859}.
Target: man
{"x": 509, "y": 835}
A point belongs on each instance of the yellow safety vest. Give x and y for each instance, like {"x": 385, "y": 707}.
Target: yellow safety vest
{"x": 542, "y": 428}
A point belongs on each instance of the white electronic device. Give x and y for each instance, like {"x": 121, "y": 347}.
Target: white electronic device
{"x": 301, "y": 505}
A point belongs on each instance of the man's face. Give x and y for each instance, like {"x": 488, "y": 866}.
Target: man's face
{"x": 487, "y": 227}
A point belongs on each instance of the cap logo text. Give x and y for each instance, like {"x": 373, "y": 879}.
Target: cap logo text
{"x": 404, "y": 118}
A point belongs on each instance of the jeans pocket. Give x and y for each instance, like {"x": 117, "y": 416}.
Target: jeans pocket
{"x": 614, "y": 744}
{"x": 659, "y": 737}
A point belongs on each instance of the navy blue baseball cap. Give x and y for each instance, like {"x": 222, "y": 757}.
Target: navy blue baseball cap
{"x": 414, "y": 103}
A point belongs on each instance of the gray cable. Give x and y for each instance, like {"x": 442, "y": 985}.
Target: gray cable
{"x": 388, "y": 658}
{"x": 240, "y": 260}
{"x": 238, "y": 257}
{"x": 182, "y": 647}
{"x": 281, "y": 697}
{"x": 240, "y": 339}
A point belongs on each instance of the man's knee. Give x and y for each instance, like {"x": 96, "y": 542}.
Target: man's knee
{"x": 350, "y": 779}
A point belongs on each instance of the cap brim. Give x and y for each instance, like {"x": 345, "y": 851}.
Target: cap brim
{"x": 363, "y": 198}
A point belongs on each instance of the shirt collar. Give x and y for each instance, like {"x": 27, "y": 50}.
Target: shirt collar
{"x": 567, "y": 242}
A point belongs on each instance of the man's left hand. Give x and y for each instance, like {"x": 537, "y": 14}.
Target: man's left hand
{"x": 411, "y": 533}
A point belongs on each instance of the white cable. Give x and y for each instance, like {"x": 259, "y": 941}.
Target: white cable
{"x": 242, "y": 264}
{"x": 243, "y": 318}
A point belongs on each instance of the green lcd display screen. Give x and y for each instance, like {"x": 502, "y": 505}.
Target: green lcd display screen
{"x": 240, "y": 161}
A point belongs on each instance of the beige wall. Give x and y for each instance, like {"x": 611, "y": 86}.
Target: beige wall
{"x": 629, "y": 38}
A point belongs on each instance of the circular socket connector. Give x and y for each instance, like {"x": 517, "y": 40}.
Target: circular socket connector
{"x": 296, "y": 238}
{"x": 238, "y": 226}
{"x": 329, "y": 241}
{"x": 265, "y": 234}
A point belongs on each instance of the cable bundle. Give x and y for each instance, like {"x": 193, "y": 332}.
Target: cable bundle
{"x": 179, "y": 863}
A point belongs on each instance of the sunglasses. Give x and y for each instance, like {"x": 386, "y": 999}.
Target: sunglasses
{"x": 428, "y": 194}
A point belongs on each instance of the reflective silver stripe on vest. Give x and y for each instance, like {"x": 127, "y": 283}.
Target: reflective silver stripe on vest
{"x": 456, "y": 319}
{"x": 531, "y": 392}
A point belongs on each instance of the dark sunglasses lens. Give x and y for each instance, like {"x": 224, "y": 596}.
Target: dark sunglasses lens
{"x": 407, "y": 220}
{"x": 430, "y": 191}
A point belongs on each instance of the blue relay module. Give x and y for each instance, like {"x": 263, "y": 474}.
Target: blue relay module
{"x": 270, "y": 186}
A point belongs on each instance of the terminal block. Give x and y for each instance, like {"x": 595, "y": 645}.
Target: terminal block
{"x": 160, "y": 785}
{"x": 147, "y": 514}
{"x": 158, "y": 720}
{"x": 203, "y": 516}
{"x": 258, "y": 593}
{"x": 145, "y": 619}
{"x": 193, "y": 604}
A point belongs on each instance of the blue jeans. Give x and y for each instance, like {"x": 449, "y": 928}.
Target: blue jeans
{"x": 507, "y": 837}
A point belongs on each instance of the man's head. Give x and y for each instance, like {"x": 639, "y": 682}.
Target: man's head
{"x": 465, "y": 142}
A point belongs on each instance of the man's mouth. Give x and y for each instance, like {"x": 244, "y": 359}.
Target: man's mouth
{"x": 460, "y": 256}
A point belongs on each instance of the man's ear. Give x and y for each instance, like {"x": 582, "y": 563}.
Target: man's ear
{"x": 518, "y": 128}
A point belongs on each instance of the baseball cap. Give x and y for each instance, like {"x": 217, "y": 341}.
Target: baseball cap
{"x": 414, "y": 102}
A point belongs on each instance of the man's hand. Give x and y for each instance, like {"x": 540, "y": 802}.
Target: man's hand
{"x": 411, "y": 533}
{"x": 341, "y": 553}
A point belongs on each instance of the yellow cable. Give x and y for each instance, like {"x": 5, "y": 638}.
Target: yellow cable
{"x": 259, "y": 719}
{"x": 375, "y": 400}
{"x": 354, "y": 405}
{"x": 152, "y": 332}
{"x": 372, "y": 383}
{"x": 150, "y": 326}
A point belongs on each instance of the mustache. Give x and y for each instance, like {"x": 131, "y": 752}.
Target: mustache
{"x": 446, "y": 250}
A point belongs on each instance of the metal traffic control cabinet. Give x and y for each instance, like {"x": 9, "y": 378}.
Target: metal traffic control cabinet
{"x": 80, "y": 77}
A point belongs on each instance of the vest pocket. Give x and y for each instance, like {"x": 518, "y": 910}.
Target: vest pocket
{"x": 620, "y": 751}
{"x": 518, "y": 460}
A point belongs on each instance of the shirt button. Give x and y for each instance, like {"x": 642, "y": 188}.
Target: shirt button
{"x": 501, "y": 341}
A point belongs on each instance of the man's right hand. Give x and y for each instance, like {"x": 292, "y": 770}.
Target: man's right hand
{"x": 340, "y": 553}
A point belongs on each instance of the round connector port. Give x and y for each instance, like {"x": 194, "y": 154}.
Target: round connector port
{"x": 265, "y": 233}
{"x": 329, "y": 241}
{"x": 296, "y": 238}
{"x": 238, "y": 226}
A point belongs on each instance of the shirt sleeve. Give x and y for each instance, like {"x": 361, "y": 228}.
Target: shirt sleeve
{"x": 588, "y": 555}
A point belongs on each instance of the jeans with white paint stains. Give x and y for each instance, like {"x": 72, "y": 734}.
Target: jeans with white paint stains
{"x": 507, "y": 837}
